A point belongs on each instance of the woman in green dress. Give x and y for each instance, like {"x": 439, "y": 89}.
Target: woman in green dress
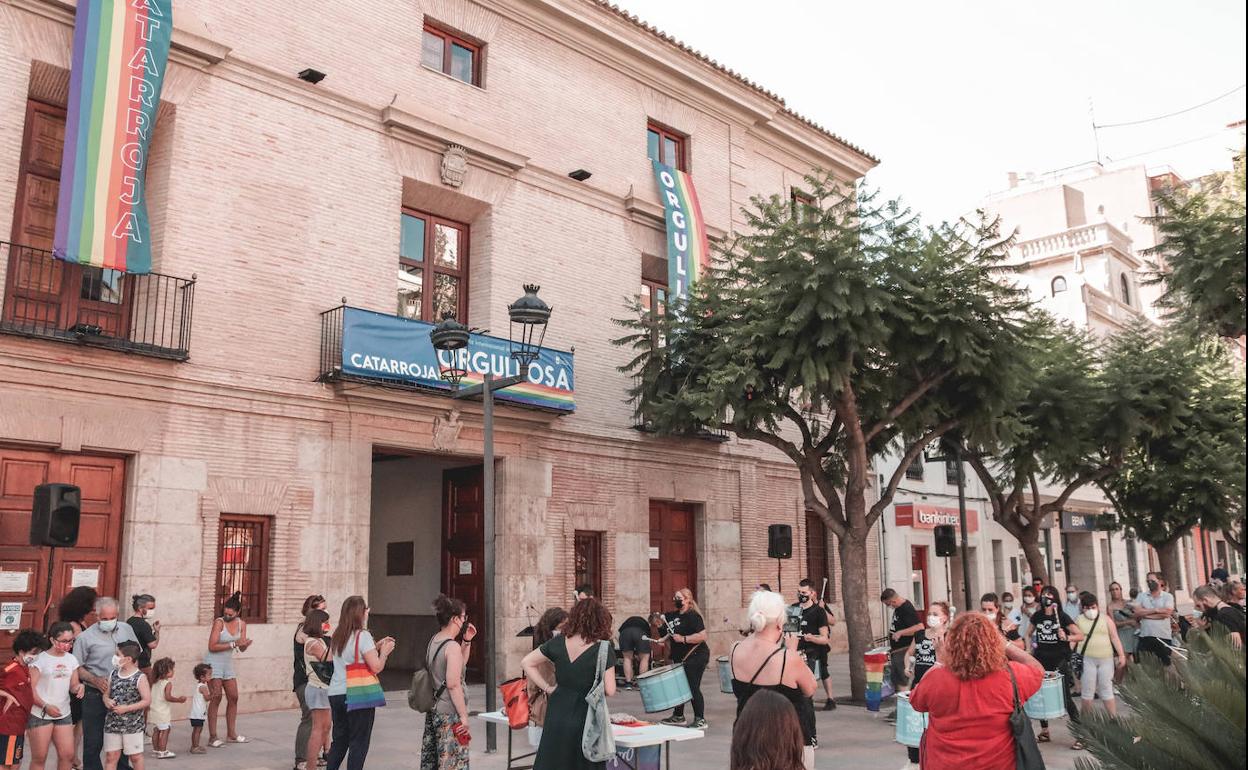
{"x": 575, "y": 657}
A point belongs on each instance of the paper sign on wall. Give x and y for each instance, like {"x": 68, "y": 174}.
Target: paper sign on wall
{"x": 89, "y": 577}
{"x": 465, "y": 567}
{"x": 14, "y": 582}
{"x": 654, "y": 552}
{"x": 10, "y": 616}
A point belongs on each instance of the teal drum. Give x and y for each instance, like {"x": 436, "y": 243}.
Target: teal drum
{"x": 725, "y": 673}
{"x": 910, "y": 723}
{"x": 1049, "y": 702}
{"x": 664, "y": 688}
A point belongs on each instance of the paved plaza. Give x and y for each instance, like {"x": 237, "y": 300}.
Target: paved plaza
{"x": 850, "y": 738}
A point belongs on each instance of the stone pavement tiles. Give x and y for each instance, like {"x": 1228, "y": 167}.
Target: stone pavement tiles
{"x": 850, "y": 738}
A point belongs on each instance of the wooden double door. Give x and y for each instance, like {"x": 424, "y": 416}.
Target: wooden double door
{"x": 463, "y": 549}
{"x": 673, "y": 552}
{"x": 93, "y": 561}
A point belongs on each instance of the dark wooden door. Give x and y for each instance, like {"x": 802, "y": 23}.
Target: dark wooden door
{"x": 48, "y": 292}
{"x": 817, "y": 568}
{"x": 463, "y": 551}
{"x": 93, "y": 561}
{"x": 674, "y": 565}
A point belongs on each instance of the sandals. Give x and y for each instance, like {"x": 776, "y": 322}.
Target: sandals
{"x": 1077, "y": 746}
{"x": 1043, "y": 737}
{"x": 216, "y": 743}
{"x": 239, "y": 739}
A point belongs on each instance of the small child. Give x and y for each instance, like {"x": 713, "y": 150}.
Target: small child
{"x": 128, "y": 697}
{"x": 17, "y": 697}
{"x": 160, "y": 714}
{"x": 199, "y": 705}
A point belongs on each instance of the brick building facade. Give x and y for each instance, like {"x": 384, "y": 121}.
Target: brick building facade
{"x": 214, "y": 452}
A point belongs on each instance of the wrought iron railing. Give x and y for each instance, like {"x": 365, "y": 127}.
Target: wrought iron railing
{"x": 331, "y": 343}
{"x": 148, "y": 314}
{"x": 703, "y": 432}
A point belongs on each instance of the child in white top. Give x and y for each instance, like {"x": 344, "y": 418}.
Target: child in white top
{"x": 53, "y": 679}
{"x": 160, "y": 714}
{"x": 199, "y": 705}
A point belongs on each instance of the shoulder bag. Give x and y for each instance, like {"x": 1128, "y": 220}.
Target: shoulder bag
{"x": 323, "y": 668}
{"x": 363, "y": 687}
{"x": 597, "y": 740}
{"x": 1026, "y": 751}
{"x": 422, "y": 696}
{"x": 1076, "y": 658}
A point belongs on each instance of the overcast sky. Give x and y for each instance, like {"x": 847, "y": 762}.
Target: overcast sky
{"x": 953, "y": 95}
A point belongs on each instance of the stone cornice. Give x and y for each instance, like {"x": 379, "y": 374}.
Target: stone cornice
{"x": 407, "y": 119}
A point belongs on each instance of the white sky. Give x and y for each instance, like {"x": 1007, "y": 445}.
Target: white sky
{"x": 952, "y": 95}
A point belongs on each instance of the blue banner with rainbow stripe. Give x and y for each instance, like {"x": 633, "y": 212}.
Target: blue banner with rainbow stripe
{"x": 121, "y": 50}
{"x": 688, "y": 252}
{"x": 377, "y": 346}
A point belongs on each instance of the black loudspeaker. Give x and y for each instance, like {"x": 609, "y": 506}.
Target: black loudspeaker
{"x": 779, "y": 541}
{"x": 946, "y": 540}
{"x": 54, "y": 518}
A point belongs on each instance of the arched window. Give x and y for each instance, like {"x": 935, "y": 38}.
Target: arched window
{"x": 1125, "y": 282}
{"x": 1058, "y": 286}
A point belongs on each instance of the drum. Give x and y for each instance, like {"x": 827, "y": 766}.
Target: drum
{"x": 1049, "y": 702}
{"x": 664, "y": 688}
{"x": 910, "y": 723}
{"x": 725, "y": 673}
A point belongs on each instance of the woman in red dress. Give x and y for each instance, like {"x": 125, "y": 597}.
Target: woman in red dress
{"x": 968, "y": 697}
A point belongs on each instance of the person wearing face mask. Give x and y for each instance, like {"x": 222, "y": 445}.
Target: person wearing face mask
{"x": 444, "y": 744}
{"x": 299, "y": 681}
{"x": 991, "y": 608}
{"x": 1154, "y": 610}
{"x": 815, "y": 640}
{"x": 1021, "y": 616}
{"x": 227, "y": 636}
{"x": 95, "y": 649}
{"x": 17, "y": 697}
{"x": 1053, "y": 631}
{"x": 1102, "y": 655}
{"x": 1212, "y": 611}
{"x": 1123, "y": 613}
{"x": 351, "y": 643}
{"x": 902, "y": 627}
{"x": 1071, "y": 606}
{"x": 146, "y": 629}
{"x": 687, "y": 634}
{"x": 923, "y": 650}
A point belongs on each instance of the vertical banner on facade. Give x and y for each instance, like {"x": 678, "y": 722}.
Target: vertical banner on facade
{"x": 687, "y": 250}
{"x": 121, "y": 48}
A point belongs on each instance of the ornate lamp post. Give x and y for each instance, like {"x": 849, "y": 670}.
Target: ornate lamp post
{"x": 529, "y": 316}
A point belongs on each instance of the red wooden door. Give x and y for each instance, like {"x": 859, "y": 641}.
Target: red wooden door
{"x": 93, "y": 561}
{"x": 674, "y": 565}
{"x": 463, "y": 550}
{"x": 48, "y": 292}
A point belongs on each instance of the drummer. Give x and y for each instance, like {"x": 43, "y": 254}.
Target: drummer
{"x": 1053, "y": 631}
{"x": 686, "y": 630}
{"x": 815, "y": 638}
{"x": 923, "y": 649}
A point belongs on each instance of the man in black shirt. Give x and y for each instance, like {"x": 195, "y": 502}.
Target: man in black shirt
{"x": 815, "y": 637}
{"x": 1215, "y": 611}
{"x": 635, "y": 648}
{"x": 904, "y": 625}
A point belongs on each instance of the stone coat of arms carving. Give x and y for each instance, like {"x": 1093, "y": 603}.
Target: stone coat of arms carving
{"x": 446, "y": 430}
{"x": 454, "y": 165}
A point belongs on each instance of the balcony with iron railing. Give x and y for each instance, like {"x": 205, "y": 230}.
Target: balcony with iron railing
{"x": 48, "y": 298}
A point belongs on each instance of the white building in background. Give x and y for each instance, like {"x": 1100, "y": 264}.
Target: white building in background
{"x": 1081, "y": 241}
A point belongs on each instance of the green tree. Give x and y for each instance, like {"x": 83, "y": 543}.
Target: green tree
{"x": 1190, "y": 469}
{"x": 1083, "y": 407}
{"x": 833, "y": 333}
{"x": 1194, "y": 720}
{"x": 1199, "y": 259}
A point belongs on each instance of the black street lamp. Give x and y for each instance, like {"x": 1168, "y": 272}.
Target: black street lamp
{"x": 531, "y": 315}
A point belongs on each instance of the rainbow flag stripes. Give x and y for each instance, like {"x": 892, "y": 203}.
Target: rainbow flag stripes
{"x": 688, "y": 252}
{"x": 121, "y": 48}
{"x": 876, "y": 661}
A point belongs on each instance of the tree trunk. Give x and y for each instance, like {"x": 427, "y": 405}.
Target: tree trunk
{"x": 1029, "y": 539}
{"x": 857, "y": 604}
{"x": 1168, "y": 560}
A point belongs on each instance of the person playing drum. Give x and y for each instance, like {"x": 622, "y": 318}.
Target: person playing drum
{"x": 686, "y": 631}
{"x": 921, "y": 656}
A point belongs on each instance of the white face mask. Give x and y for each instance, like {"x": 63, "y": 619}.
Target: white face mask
{"x": 116, "y": 660}
{"x": 107, "y": 626}
{"x": 1091, "y": 613}
{"x": 1029, "y": 600}
{"x": 1197, "y": 613}
{"x": 990, "y": 614}
{"x": 1071, "y": 596}
{"x": 1008, "y": 606}
{"x": 150, "y": 613}
{"x": 934, "y": 621}
{"x": 29, "y": 660}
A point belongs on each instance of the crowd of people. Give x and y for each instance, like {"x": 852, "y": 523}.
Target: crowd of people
{"x": 90, "y": 690}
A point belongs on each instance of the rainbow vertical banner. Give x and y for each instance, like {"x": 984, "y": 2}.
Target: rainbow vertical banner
{"x": 121, "y": 48}
{"x": 688, "y": 253}
{"x": 876, "y": 661}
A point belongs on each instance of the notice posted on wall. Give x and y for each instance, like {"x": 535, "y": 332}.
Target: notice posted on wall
{"x": 14, "y": 582}
{"x": 89, "y": 577}
{"x": 10, "y": 616}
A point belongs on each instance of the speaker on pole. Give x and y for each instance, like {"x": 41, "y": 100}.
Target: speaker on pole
{"x": 54, "y": 516}
{"x": 946, "y": 540}
{"x": 779, "y": 541}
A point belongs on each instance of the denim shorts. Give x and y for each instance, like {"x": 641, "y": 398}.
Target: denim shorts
{"x": 35, "y": 721}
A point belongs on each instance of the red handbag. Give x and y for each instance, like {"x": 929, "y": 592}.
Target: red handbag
{"x": 515, "y": 694}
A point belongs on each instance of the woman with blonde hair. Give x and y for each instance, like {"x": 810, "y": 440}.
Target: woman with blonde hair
{"x": 768, "y": 661}
{"x": 969, "y": 697}
{"x": 686, "y": 630}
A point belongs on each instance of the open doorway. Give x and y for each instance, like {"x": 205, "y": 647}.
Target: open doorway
{"x": 425, "y": 538}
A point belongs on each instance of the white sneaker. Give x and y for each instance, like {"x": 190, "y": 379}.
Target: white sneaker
{"x": 164, "y": 754}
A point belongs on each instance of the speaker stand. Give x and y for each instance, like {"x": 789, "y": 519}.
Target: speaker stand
{"x": 779, "y": 579}
{"x": 47, "y": 591}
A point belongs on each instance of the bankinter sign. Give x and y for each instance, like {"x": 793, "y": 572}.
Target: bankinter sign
{"x": 932, "y": 516}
